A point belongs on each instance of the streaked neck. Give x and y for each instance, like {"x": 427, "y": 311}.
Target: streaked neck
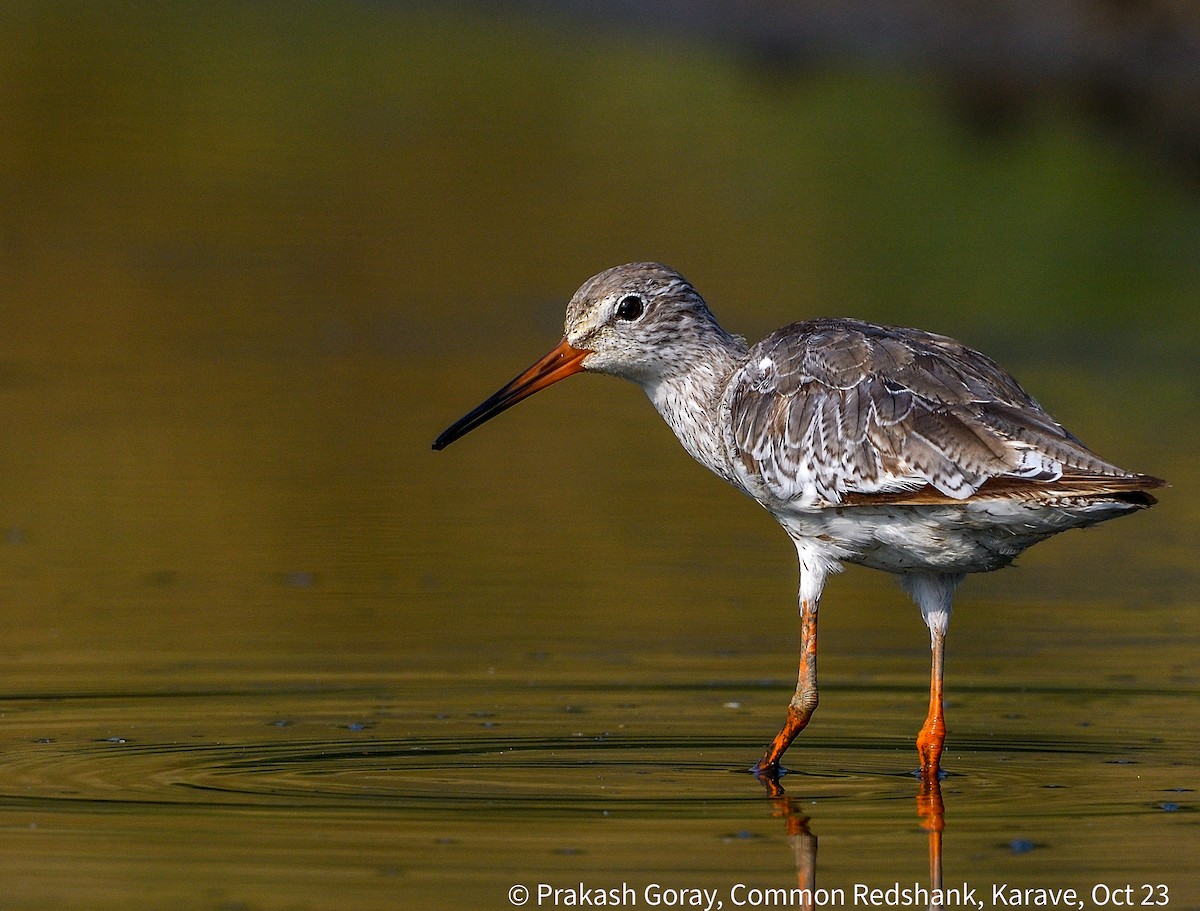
{"x": 688, "y": 396}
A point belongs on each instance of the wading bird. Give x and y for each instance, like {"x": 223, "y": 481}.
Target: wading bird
{"x": 892, "y": 448}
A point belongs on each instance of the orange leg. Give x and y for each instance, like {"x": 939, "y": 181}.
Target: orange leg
{"x": 803, "y": 703}
{"x": 932, "y": 737}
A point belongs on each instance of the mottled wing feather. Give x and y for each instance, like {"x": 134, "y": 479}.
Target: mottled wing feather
{"x": 832, "y": 411}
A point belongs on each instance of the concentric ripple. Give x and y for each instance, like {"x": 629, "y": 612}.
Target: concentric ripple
{"x": 606, "y": 751}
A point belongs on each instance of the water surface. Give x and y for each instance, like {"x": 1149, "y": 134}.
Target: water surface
{"x": 263, "y": 649}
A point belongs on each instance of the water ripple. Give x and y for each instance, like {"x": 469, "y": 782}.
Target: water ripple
{"x": 628, "y": 775}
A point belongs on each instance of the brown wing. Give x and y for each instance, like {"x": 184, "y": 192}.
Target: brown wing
{"x": 841, "y": 411}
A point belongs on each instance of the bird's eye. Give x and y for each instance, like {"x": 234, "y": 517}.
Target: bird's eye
{"x": 630, "y": 307}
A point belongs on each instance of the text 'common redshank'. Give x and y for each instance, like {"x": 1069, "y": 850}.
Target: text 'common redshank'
{"x": 893, "y": 448}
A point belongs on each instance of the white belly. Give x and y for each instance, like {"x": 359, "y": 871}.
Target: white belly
{"x": 968, "y": 537}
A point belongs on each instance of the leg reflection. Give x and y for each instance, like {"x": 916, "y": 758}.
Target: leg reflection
{"x": 932, "y": 814}
{"x": 930, "y": 810}
{"x": 802, "y": 840}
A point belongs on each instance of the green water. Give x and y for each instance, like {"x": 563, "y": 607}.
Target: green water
{"x": 263, "y": 649}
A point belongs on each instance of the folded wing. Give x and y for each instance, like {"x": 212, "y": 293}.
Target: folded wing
{"x": 833, "y": 412}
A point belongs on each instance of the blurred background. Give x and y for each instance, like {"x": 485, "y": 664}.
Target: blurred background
{"x": 254, "y": 256}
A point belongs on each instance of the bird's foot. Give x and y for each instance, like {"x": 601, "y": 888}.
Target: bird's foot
{"x": 929, "y": 774}
{"x": 768, "y": 775}
{"x": 768, "y": 769}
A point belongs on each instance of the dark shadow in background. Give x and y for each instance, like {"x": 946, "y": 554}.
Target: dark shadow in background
{"x": 1132, "y": 67}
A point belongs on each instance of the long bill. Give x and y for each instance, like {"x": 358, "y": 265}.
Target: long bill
{"x": 559, "y": 364}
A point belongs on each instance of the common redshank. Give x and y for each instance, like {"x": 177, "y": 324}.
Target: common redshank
{"x": 892, "y": 448}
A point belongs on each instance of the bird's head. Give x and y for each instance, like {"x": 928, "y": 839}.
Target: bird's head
{"x": 636, "y": 321}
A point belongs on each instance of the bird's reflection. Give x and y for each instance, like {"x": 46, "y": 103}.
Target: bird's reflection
{"x": 803, "y": 842}
{"x": 930, "y": 810}
{"x": 932, "y": 813}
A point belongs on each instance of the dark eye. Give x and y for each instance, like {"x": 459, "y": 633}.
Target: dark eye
{"x": 630, "y": 307}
